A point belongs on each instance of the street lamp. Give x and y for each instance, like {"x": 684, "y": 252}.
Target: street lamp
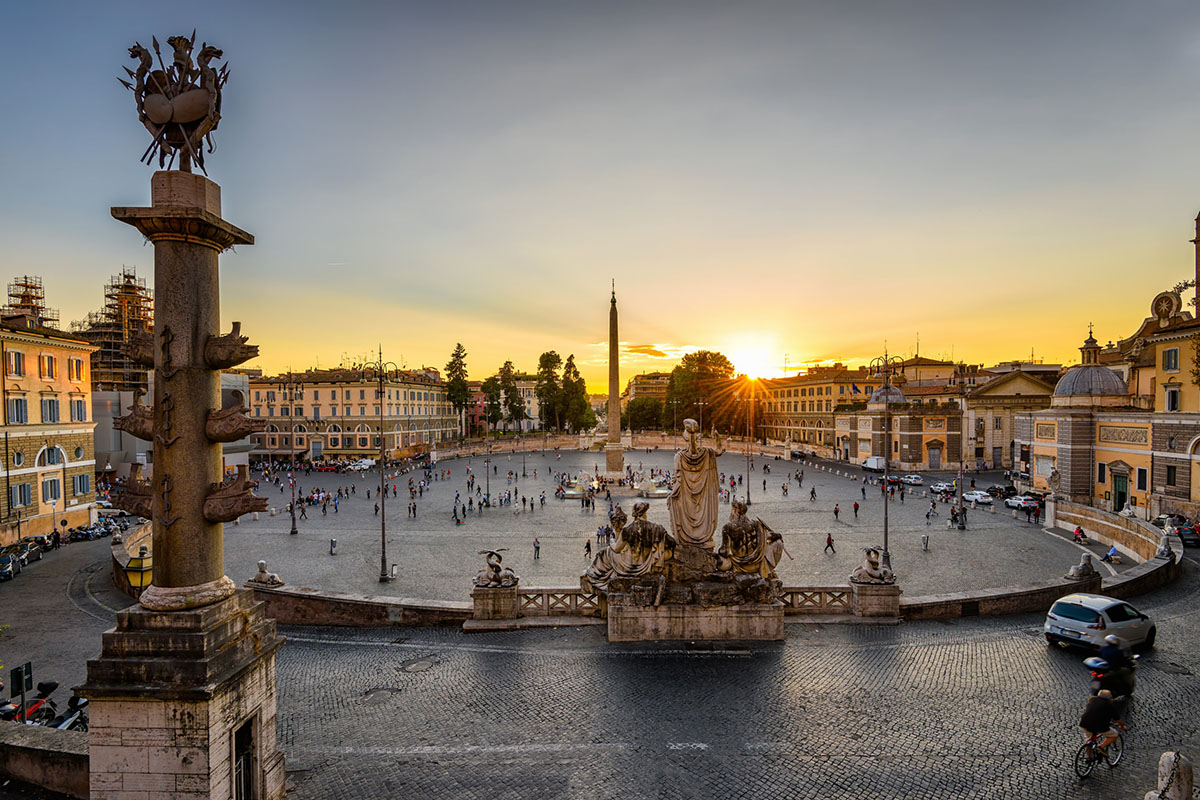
{"x": 702, "y": 404}
{"x": 962, "y": 406}
{"x": 884, "y": 366}
{"x": 289, "y": 389}
{"x": 675, "y": 422}
{"x": 487, "y": 475}
{"x": 378, "y": 370}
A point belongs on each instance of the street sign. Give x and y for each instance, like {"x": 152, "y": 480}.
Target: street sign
{"x": 21, "y": 679}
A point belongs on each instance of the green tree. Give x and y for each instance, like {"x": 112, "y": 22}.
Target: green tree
{"x": 644, "y": 414}
{"x": 702, "y": 385}
{"x": 514, "y": 406}
{"x": 492, "y": 394}
{"x": 457, "y": 391}
{"x": 576, "y": 411}
{"x": 548, "y": 389}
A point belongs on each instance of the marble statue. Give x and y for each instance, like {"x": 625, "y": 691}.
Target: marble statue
{"x": 1164, "y": 548}
{"x": 871, "y": 570}
{"x": 264, "y": 578}
{"x": 641, "y": 549}
{"x": 694, "y": 490}
{"x": 493, "y": 575}
{"x": 1083, "y": 569}
{"x": 180, "y": 104}
{"x": 749, "y": 547}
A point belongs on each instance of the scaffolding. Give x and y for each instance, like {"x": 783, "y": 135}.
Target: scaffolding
{"x": 128, "y": 310}
{"x": 27, "y": 297}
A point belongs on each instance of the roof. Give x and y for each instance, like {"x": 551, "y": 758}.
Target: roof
{"x": 38, "y": 330}
{"x": 1090, "y": 379}
{"x": 889, "y": 394}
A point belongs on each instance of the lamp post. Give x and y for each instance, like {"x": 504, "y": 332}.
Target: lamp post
{"x": 487, "y": 476}
{"x": 884, "y": 366}
{"x": 702, "y": 404}
{"x": 962, "y": 407}
{"x": 675, "y": 422}
{"x": 289, "y": 389}
{"x": 378, "y": 370}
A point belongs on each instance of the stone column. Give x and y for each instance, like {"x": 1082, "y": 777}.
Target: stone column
{"x": 614, "y": 457}
{"x": 182, "y": 696}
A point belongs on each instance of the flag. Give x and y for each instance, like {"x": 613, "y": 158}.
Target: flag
{"x": 854, "y": 386}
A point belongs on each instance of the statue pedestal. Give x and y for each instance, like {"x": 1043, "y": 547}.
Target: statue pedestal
{"x": 614, "y": 461}
{"x": 494, "y": 603}
{"x": 637, "y": 623}
{"x": 876, "y": 599}
{"x": 182, "y": 704}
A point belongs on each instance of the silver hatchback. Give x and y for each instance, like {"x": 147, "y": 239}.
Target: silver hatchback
{"x": 1085, "y": 619}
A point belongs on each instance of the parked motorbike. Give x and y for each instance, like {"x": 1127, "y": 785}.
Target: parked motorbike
{"x": 40, "y": 708}
{"x": 75, "y": 718}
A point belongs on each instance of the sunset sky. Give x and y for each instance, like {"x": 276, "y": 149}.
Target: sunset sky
{"x": 771, "y": 180}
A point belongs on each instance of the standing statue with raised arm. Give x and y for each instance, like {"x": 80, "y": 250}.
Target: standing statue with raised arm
{"x": 695, "y": 490}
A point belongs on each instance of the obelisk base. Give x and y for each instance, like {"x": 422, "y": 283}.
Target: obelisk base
{"x": 182, "y": 704}
{"x": 614, "y": 461}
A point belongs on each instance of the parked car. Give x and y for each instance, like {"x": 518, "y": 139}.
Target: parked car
{"x": 11, "y": 565}
{"x": 939, "y": 488}
{"x": 976, "y": 496}
{"x": 1000, "y": 490}
{"x": 29, "y": 550}
{"x": 42, "y": 541}
{"x": 913, "y": 480}
{"x": 1085, "y": 619}
{"x": 1021, "y": 502}
{"x": 1038, "y": 495}
{"x": 893, "y": 480}
{"x": 15, "y": 551}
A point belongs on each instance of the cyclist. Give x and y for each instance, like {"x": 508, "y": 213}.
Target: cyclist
{"x": 1098, "y": 719}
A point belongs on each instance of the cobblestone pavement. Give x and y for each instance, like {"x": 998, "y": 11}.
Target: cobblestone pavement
{"x": 436, "y": 558}
{"x": 969, "y": 708}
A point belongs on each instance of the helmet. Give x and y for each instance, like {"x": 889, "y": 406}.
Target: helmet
{"x": 1113, "y": 640}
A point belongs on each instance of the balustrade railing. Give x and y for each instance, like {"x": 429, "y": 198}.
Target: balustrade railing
{"x": 534, "y": 602}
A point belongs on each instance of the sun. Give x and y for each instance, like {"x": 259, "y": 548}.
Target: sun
{"x": 754, "y": 363}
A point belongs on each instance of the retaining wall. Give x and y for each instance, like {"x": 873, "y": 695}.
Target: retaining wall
{"x": 1130, "y": 535}
{"x": 300, "y": 606}
{"x": 52, "y": 759}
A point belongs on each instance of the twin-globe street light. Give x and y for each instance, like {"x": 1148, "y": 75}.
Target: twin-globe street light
{"x": 884, "y": 366}
{"x": 291, "y": 389}
{"x": 378, "y": 371}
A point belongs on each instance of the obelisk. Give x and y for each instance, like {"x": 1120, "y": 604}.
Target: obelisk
{"x": 614, "y": 457}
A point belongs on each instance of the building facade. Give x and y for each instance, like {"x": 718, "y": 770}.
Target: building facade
{"x": 800, "y": 409}
{"x": 336, "y": 414}
{"x": 49, "y": 463}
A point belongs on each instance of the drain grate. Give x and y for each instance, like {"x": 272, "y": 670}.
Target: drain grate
{"x": 379, "y": 695}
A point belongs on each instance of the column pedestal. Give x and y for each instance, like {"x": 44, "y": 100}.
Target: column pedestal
{"x": 182, "y": 704}
{"x": 876, "y": 599}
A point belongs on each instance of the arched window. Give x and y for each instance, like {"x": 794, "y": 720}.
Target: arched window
{"x": 49, "y": 456}
{"x": 335, "y": 428}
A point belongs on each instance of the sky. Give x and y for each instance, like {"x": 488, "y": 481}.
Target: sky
{"x": 789, "y": 183}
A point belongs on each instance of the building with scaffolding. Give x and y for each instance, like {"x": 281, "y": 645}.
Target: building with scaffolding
{"x": 27, "y": 298}
{"x": 128, "y": 311}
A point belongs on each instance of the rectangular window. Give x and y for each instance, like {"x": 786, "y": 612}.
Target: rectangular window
{"x": 271, "y": 411}
{"x": 18, "y": 410}
{"x": 14, "y": 363}
{"x": 78, "y": 411}
{"x": 50, "y": 490}
{"x": 257, "y": 396}
{"x": 270, "y": 396}
{"x": 1171, "y": 476}
{"x": 298, "y": 411}
{"x": 48, "y": 367}
{"x": 75, "y": 369}
{"x": 362, "y": 394}
{"x": 316, "y": 412}
{"x": 1172, "y": 399}
{"x": 347, "y": 412}
{"x": 1143, "y": 479}
{"x": 258, "y": 411}
{"x": 1170, "y": 359}
{"x": 81, "y": 484}
{"x": 49, "y": 409}
{"x": 285, "y": 411}
{"x": 20, "y": 495}
{"x": 1102, "y": 473}
{"x": 998, "y": 423}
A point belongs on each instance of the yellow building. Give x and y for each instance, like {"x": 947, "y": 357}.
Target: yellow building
{"x": 800, "y": 408}
{"x": 49, "y": 467}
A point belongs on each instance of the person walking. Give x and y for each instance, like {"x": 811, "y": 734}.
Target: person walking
{"x": 587, "y": 549}
{"x": 537, "y": 548}
{"x": 927, "y": 517}
{"x": 812, "y": 494}
{"x": 837, "y": 509}
{"x": 829, "y": 544}
{"x": 856, "y": 509}
{"x": 863, "y": 488}
{"x": 377, "y": 508}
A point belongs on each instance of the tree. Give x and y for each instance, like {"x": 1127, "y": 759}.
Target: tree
{"x": 702, "y": 386}
{"x": 577, "y": 413}
{"x": 457, "y": 391}
{"x": 548, "y": 389}
{"x": 644, "y": 413}
{"x": 492, "y": 393}
{"x": 514, "y": 406}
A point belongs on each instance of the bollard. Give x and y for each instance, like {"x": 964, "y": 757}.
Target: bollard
{"x": 924, "y": 493}
{"x": 237, "y": 521}
{"x": 1014, "y": 513}
{"x": 992, "y": 508}
{"x": 974, "y": 505}
{"x": 333, "y": 547}
{"x": 394, "y": 567}
{"x": 925, "y": 542}
{"x": 272, "y": 512}
{"x": 256, "y": 516}
{"x": 949, "y": 523}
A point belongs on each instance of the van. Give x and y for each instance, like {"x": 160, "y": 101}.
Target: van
{"x": 874, "y": 464}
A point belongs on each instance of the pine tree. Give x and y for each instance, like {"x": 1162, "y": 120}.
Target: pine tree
{"x": 548, "y": 389}
{"x": 457, "y": 391}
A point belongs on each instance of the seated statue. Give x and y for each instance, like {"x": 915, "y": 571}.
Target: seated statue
{"x": 871, "y": 570}
{"x": 641, "y": 549}
{"x": 748, "y": 547}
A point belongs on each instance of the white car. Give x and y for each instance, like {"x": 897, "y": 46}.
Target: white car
{"x": 1085, "y": 619}
{"x": 913, "y": 480}
{"x": 976, "y": 496}
{"x": 938, "y": 488}
{"x": 1020, "y": 501}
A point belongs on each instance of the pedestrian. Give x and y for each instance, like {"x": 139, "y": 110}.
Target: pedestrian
{"x": 377, "y": 508}
{"x": 863, "y": 488}
{"x": 812, "y": 494}
{"x": 587, "y": 549}
{"x": 1037, "y": 515}
{"x": 829, "y": 544}
{"x": 303, "y": 512}
{"x": 837, "y": 509}
{"x": 856, "y": 509}
{"x": 537, "y": 548}
{"x": 926, "y": 517}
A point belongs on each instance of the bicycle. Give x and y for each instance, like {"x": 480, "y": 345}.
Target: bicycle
{"x": 1090, "y": 754}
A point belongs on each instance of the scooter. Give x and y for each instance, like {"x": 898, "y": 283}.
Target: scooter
{"x": 75, "y": 718}
{"x": 1121, "y": 682}
{"x": 40, "y": 709}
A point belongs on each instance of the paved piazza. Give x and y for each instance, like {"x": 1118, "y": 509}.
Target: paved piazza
{"x": 437, "y": 559}
{"x": 978, "y": 708}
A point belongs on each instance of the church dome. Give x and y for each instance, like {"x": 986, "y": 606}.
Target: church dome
{"x": 1089, "y": 379}
{"x": 890, "y": 394}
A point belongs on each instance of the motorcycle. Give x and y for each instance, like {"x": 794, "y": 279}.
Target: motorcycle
{"x": 1120, "y": 681}
{"x": 40, "y": 708}
{"x": 75, "y": 718}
